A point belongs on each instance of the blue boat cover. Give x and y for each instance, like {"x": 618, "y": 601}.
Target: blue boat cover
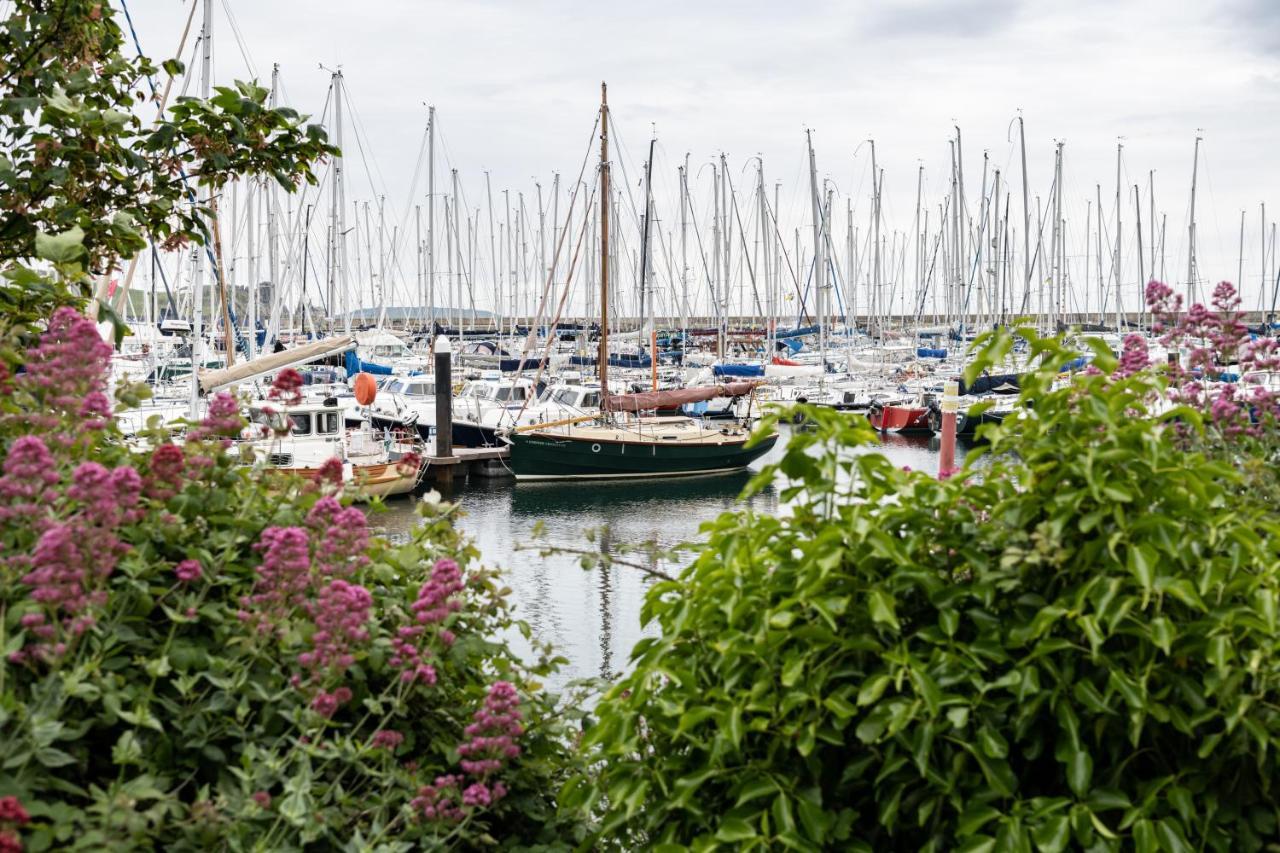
{"x": 795, "y": 333}
{"x": 354, "y": 365}
{"x": 738, "y": 370}
{"x": 929, "y": 352}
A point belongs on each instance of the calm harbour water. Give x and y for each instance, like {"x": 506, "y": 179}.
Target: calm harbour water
{"x": 593, "y": 617}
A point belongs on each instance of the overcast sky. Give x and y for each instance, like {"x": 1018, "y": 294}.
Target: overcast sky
{"x": 516, "y": 87}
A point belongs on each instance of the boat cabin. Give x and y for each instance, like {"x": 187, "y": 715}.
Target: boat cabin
{"x": 305, "y": 420}
{"x": 411, "y": 386}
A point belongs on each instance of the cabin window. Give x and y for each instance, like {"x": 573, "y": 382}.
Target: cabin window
{"x": 300, "y": 423}
{"x": 565, "y": 397}
{"x": 395, "y": 386}
{"x": 326, "y": 423}
{"x": 421, "y": 389}
{"x": 517, "y": 393}
{"x": 502, "y": 394}
{"x": 591, "y": 400}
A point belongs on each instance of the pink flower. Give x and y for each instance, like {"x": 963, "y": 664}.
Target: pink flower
{"x": 29, "y": 470}
{"x": 188, "y": 571}
{"x": 330, "y": 471}
{"x": 222, "y": 420}
{"x": 344, "y": 537}
{"x": 167, "y": 467}
{"x": 438, "y": 801}
{"x": 11, "y": 811}
{"x": 340, "y": 613}
{"x": 287, "y": 387}
{"x": 69, "y": 364}
{"x": 1135, "y": 357}
{"x": 476, "y": 794}
{"x": 262, "y": 798}
{"x": 409, "y": 463}
{"x": 387, "y": 739}
{"x": 283, "y": 578}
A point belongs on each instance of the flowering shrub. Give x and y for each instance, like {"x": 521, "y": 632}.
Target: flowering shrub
{"x": 1072, "y": 645}
{"x": 196, "y": 659}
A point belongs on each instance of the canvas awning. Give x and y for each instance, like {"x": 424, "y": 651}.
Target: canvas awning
{"x": 216, "y": 380}
{"x": 650, "y": 400}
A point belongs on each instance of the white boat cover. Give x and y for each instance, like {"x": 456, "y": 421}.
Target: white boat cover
{"x": 216, "y": 380}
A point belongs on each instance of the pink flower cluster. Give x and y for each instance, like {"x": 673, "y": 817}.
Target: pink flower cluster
{"x": 492, "y": 744}
{"x": 387, "y": 739}
{"x": 437, "y": 598}
{"x": 342, "y": 535}
{"x": 29, "y": 471}
{"x": 67, "y": 371}
{"x": 1218, "y": 342}
{"x": 326, "y": 704}
{"x": 494, "y": 732}
{"x": 188, "y": 571}
{"x": 1134, "y": 358}
{"x": 284, "y": 578}
{"x": 305, "y": 569}
{"x": 167, "y": 469}
{"x": 73, "y": 557}
{"x": 287, "y": 387}
{"x": 12, "y": 815}
{"x": 221, "y": 421}
{"x": 341, "y": 614}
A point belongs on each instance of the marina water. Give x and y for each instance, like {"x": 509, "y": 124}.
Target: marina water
{"x": 592, "y": 618}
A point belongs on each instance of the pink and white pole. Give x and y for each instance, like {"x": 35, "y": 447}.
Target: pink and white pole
{"x": 950, "y": 405}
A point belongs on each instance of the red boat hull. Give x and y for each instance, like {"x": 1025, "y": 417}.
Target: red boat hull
{"x": 907, "y": 419}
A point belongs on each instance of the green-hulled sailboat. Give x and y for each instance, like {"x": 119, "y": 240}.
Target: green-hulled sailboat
{"x": 620, "y": 443}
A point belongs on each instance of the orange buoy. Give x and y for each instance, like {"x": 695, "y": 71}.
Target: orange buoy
{"x": 366, "y": 389}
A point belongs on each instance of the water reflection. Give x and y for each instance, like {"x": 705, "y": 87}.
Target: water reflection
{"x": 592, "y": 617}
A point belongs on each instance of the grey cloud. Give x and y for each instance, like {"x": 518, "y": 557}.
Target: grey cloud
{"x": 940, "y": 18}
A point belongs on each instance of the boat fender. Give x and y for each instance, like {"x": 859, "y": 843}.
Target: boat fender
{"x": 366, "y": 389}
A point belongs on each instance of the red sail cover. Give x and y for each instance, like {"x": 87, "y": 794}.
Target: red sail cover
{"x": 651, "y": 400}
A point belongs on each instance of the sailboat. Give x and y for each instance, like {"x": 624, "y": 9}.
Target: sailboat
{"x": 620, "y": 443}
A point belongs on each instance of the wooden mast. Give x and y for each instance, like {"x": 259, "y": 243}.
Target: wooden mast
{"x": 603, "y": 362}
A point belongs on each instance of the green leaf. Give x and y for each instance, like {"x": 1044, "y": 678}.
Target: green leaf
{"x": 1079, "y": 771}
{"x": 974, "y": 818}
{"x": 1053, "y": 835}
{"x": 881, "y": 606}
{"x": 735, "y": 829}
{"x": 1163, "y": 634}
{"x": 760, "y": 786}
{"x": 64, "y": 248}
{"x": 1219, "y": 651}
{"x": 872, "y": 689}
{"x": 1170, "y": 837}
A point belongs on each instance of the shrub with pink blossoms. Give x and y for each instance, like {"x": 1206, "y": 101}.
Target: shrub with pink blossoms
{"x": 185, "y": 639}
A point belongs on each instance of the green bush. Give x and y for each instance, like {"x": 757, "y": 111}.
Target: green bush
{"x": 1070, "y": 644}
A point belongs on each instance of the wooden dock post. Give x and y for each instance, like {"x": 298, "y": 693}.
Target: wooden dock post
{"x": 444, "y": 405}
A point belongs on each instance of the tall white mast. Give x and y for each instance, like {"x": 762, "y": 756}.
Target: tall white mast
{"x": 1191, "y": 229}
{"x": 1119, "y": 233}
{"x": 338, "y": 214}
{"x": 819, "y": 264}
{"x": 431, "y": 215}
{"x": 493, "y": 259}
{"x": 197, "y": 332}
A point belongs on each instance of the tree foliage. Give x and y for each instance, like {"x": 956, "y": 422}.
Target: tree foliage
{"x": 82, "y": 146}
{"x": 1072, "y": 643}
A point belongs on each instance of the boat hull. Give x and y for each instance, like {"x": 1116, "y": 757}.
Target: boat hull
{"x": 544, "y": 456}
{"x": 470, "y": 434}
{"x": 901, "y": 419}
